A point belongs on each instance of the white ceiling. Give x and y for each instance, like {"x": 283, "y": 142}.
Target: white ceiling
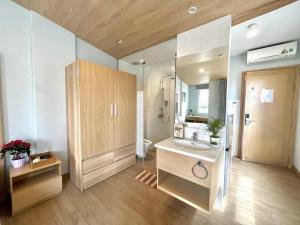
{"x": 278, "y": 26}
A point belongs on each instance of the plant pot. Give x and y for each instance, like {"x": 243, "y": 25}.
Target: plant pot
{"x": 214, "y": 140}
{"x": 18, "y": 163}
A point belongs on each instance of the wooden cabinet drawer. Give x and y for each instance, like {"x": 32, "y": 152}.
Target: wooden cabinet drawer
{"x": 102, "y": 160}
{"x": 106, "y": 171}
{"x": 124, "y": 163}
{"x": 181, "y": 165}
{"x": 124, "y": 152}
{"x": 97, "y": 175}
{"x": 35, "y": 190}
{"x": 97, "y": 162}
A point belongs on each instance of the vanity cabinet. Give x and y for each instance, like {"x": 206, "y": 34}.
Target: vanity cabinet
{"x": 175, "y": 177}
{"x": 101, "y": 116}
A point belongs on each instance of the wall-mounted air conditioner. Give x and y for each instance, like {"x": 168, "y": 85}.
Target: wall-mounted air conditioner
{"x": 276, "y": 52}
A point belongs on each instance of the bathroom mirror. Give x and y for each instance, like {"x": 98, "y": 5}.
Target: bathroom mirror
{"x": 201, "y": 72}
{"x": 201, "y": 87}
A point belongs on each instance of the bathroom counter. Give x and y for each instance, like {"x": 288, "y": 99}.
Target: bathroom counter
{"x": 209, "y": 155}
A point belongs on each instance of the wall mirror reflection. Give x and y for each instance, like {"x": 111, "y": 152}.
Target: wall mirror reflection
{"x": 201, "y": 89}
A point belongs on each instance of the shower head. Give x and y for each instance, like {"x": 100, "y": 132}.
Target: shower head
{"x": 171, "y": 76}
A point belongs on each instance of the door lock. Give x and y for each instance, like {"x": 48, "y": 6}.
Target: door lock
{"x": 248, "y": 121}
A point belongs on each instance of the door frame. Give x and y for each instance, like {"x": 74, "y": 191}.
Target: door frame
{"x": 293, "y": 117}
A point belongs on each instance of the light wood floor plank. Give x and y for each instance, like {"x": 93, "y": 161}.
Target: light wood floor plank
{"x": 259, "y": 195}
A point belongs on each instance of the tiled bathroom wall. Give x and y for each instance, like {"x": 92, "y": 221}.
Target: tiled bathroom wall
{"x": 200, "y": 128}
{"x": 158, "y": 103}
{"x": 140, "y": 124}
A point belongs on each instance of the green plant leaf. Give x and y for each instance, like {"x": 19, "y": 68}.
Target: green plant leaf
{"x": 214, "y": 126}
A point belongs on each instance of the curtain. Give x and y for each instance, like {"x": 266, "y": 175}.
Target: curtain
{"x": 217, "y": 99}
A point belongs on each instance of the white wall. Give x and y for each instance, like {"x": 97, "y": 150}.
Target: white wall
{"x": 158, "y": 53}
{"x": 53, "y": 47}
{"x": 33, "y": 54}
{"x": 212, "y": 35}
{"x": 238, "y": 65}
{"x": 156, "y": 129}
{"x": 90, "y": 53}
{"x": 136, "y": 70}
{"x": 15, "y": 71}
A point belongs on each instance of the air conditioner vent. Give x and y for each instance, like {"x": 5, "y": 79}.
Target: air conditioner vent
{"x": 135, "y": 63}
{"x": 276, "y": 52}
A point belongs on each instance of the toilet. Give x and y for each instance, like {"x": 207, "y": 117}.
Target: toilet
{"x": 147, "y": 146}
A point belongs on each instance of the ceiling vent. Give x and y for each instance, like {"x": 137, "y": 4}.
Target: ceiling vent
{"x": 276, "y": 52}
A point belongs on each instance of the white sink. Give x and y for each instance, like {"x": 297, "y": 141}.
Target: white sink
{"x": 190, "y": 144}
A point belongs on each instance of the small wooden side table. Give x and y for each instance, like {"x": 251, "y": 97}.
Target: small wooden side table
{"x": 29, "y": 186}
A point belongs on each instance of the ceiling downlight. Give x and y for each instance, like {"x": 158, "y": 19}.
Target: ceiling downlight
{"x": 192, "y": 10}
{"x": 253, "y": 30}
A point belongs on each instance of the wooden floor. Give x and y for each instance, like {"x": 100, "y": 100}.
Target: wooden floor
{"x": 259, "y": 195}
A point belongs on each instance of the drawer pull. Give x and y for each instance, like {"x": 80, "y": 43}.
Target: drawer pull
{"x": 201, "y": 165}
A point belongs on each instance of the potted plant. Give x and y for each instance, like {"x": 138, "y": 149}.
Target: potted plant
{"x": 214, "y": 126}
{"x": 16, "y": 149}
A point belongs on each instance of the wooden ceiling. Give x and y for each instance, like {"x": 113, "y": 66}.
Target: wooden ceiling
{"x": 141, "y": 23}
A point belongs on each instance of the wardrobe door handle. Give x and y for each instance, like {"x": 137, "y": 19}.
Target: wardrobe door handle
{"x": 115, "y": 110}
{"x": 112, "y": 109}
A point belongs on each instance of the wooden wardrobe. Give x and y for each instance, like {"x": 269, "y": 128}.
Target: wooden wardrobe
{"x": 101, "y": 116}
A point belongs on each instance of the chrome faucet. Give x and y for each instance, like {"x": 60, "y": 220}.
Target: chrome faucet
{"x": 194, "y": 137}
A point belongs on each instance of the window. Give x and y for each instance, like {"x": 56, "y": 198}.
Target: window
{"x": 203, "y": 96}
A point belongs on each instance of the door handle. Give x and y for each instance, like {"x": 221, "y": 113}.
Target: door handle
{"x": 115, "y": 110}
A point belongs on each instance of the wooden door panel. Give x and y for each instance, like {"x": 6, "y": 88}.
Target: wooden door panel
{"x": 96, "y": 98}
{"x": 125, "y": 109}
{"x": 266, "y": 138}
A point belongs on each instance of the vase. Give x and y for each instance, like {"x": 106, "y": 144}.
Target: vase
{"x": 18, "y": 163}
{"x": 214, "y": 140}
